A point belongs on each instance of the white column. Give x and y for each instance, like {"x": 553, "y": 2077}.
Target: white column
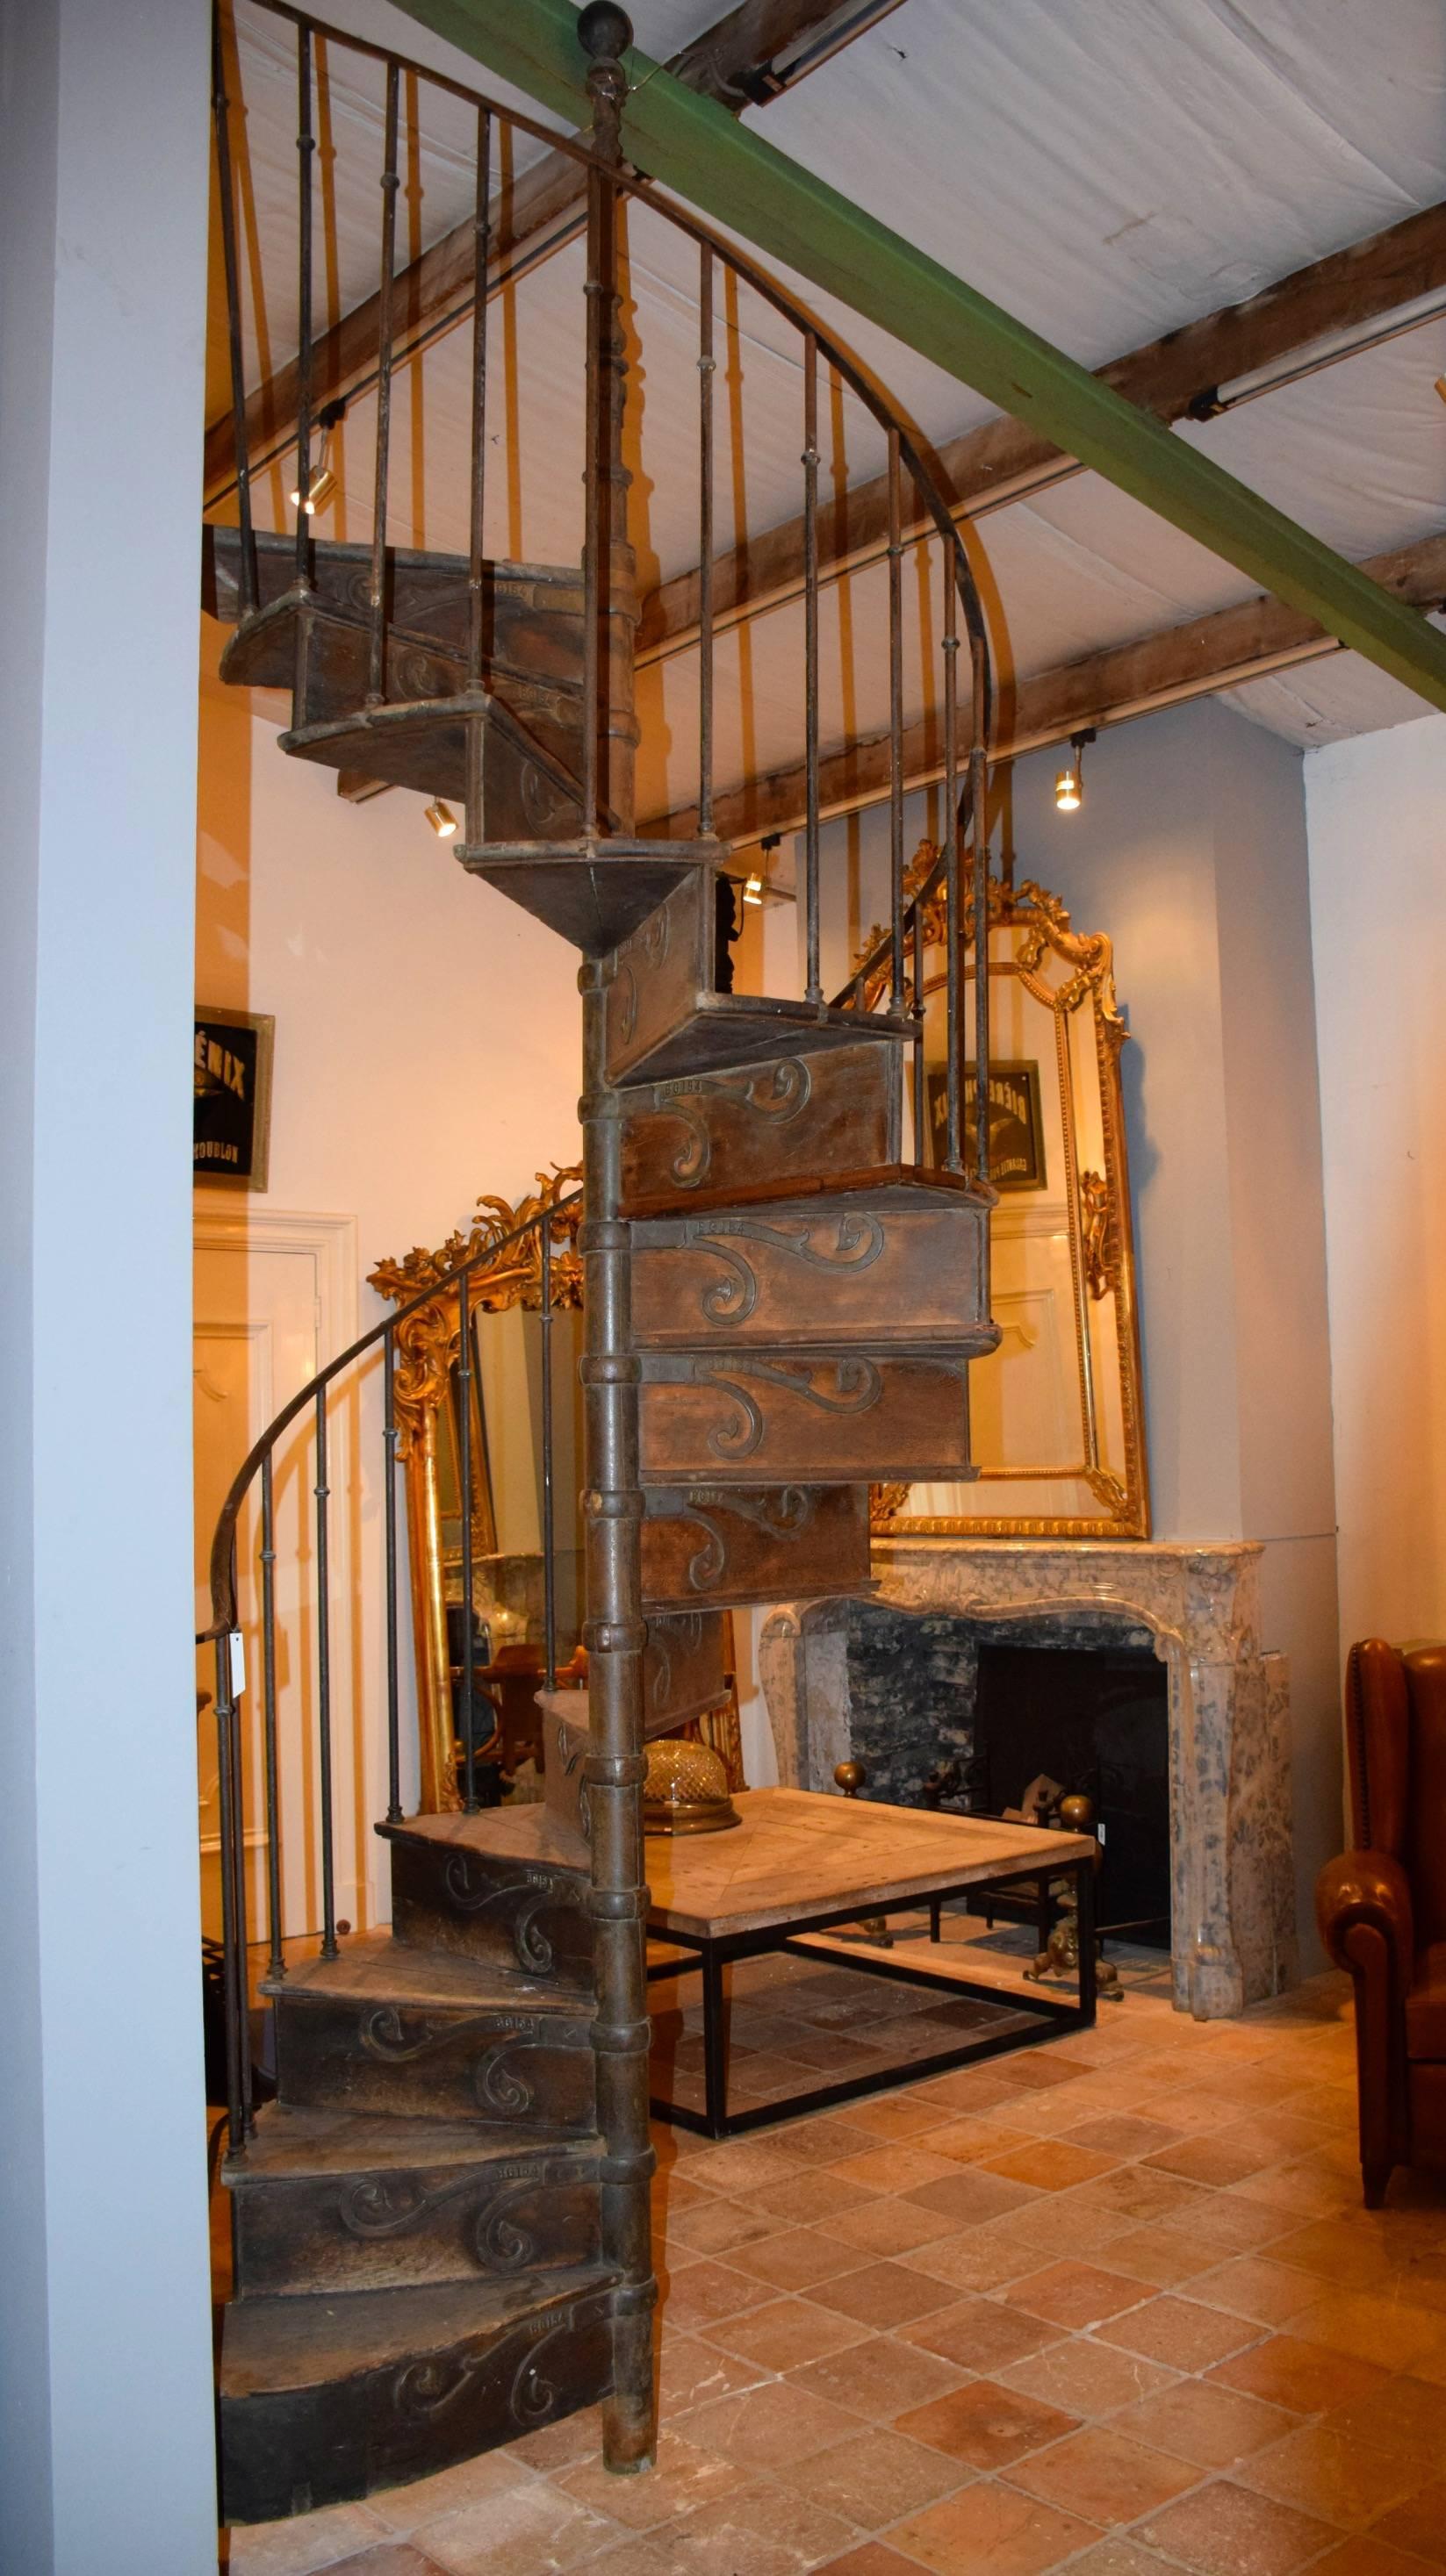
{"x": 105, "y": 2383}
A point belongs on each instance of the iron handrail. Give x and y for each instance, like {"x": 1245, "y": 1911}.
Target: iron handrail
{"x": 222, "y": 1559}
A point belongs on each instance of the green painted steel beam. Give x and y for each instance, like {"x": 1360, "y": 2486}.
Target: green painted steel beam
{"x": 695, "y": 147}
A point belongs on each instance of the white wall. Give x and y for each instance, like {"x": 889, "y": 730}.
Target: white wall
{"x": 105, "y": 2367}
{"x": 1378, "y": 903}
{"x": 428, "y": 1050}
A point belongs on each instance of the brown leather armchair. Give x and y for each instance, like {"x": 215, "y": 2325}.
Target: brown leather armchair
{"x": 1382, "y": 1907}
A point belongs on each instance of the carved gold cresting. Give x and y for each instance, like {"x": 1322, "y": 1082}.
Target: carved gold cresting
{"x": 1103, "y": 1248}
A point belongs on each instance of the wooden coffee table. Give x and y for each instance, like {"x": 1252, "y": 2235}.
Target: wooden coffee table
{"x": 802, "y": 1863}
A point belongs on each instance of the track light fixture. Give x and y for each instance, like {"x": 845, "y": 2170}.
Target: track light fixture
{"x": 753, "y": 888}
{"x": 320, "y": 486}
{"x": 442, "y": 819}
{"x": 1069, "y": 785}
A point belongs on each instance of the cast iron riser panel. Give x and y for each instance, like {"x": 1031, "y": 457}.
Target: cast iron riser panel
{"x": 435, "y": 2061}
{"x": 665, "y": 1017}
{"x": 517, "y": 1916}
{"x": 495, "y": 2220}
{"x": 796, "y": 1418}
{"x": 789, "y": 1118}
{"x": 380, "y": 2422}
{"x": 821, "y": 1276}
{"x": 741, "y": 1547}
{"x": 422, "y": 744}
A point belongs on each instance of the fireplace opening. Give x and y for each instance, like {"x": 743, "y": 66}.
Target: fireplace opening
{"x": 1096, "y": 1719}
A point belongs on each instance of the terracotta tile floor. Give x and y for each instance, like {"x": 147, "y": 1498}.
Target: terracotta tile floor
{"x": 1112, "y": 2305}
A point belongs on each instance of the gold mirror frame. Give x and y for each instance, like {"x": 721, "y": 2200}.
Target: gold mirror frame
{"x": 1097, "y": 1210}
{"x": 427, "y": 1349}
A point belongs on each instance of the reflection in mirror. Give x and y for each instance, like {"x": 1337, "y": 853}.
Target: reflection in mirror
{"x": 508, "y": 1333}
{"x": 1057, "y": 1422}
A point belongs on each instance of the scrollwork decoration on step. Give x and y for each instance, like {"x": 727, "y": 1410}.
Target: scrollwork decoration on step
{"x": 428, "y": 2387}
{"x": 384, "y": 2033}
{"x": 777, "y": 1093}
{"x": 857, "y": 1387}
{"x": 467, "y": 1895}
{"x": 857, "y": 1241}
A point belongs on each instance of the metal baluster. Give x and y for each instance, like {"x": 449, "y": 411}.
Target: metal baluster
{"x": 481, "y": 257}
{"x": 979, "y": 808}
{"x": 305, "y": 147}
{"x": 322, "y": 1491}
{"x": 594, "y": 543}
{"x": 706, "y": 369}
{"x": 953, "y": 907}
{"x": 225, "y": 1798}
{"x": 814, "y": 991}
{"x": 896, "y": 731}
{"x": 275, "y": 1964}
{"x": 377, "y": 654}
{"x": 238, "y": 1866}
{"x": 549, "y": 1550}
{"x": 221, "y": 110}
{"x": 464, "y": 1445}
{"x": 921, "y": 1106}
{"x": 390, "y": 1437}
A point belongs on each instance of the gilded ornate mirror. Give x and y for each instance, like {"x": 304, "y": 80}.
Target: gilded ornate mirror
{"x": 1057, "y": 1412}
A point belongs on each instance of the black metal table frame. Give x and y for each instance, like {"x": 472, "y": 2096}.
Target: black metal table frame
{"x": 716, "y": 1951}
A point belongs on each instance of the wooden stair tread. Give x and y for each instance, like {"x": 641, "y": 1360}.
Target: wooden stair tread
{"x": 291, "y": 2144}
{"x": 373, "y": 1968}
{"x": 728, "y": 1029}
{"x": 880, "y": 1186}
{"x": 594, "y": 893}
{"x": 313, "y": 2339}
{"x": 527, "y": 1834}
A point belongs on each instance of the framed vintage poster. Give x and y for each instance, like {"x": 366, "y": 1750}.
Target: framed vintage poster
{"x": 1016, "y": 1127}
{"x": 232, "y": 1132}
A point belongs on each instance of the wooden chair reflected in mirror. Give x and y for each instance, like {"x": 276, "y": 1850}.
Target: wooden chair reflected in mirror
{"x": 509, "y": 1325}
{"x": 1057, "y": 1409}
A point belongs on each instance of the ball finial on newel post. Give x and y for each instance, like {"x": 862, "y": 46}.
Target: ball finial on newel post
{"x": 605, "y": 33}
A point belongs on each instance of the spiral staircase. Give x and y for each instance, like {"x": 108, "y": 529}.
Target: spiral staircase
{"x": 440, "y": 2222}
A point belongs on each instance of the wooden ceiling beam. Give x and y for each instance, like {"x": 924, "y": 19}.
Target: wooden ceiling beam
{"x": 1005, "y": 460}
{"x": 1111, "y": 687}
{"x": 732, "y": 63}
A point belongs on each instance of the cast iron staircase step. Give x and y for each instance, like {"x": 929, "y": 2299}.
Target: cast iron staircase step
{"x": 782, "y": 1122}
{"x": 324, "y": 2399}
{"x": 666, "y": 1018}
{"x": 426, "y": 2035}
{"x": 531, "y": 701}
{"x": 504, "y": 1889}
{"x": 593, "y": 892}
{"x": 888, "y": 1261}
{"x": 747, "y": 1546}
{"x": 337, "y": 2200}
{"x": 794, "y": 1416}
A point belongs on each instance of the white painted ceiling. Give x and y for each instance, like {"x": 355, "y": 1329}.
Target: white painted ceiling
{"x": 1105, "y": 169}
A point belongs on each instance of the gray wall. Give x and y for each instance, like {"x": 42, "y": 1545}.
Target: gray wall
{"x": 1190, "y": 851}
{"x": 105, "y": 2365}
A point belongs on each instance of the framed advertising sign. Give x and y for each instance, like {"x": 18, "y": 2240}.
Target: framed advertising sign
{"x": 1016, "y": 1128}
{"x": 232, "y": 1098}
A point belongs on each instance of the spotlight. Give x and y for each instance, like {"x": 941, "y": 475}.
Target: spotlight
{"x": 320, "y": 486}
{"x": 753, "y": 888}
{"x": 1069, "y": 785}
{"x": 442, "y": 819}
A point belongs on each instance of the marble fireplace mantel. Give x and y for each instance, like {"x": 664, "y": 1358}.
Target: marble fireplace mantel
{"x": 1230, "y": 1816}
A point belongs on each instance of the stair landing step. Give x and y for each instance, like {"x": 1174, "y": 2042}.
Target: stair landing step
{"x": 527, "y": 1834}
{"x": 373, "y": 1968}
{"x": 289, "y": 2343}
{"x": 291, "y": 2145}
{"x": 593, "y": 893}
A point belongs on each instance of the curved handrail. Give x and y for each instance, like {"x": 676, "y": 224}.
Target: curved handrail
{"x": 222, "y": 1560}
{"x": 638, "y": 185}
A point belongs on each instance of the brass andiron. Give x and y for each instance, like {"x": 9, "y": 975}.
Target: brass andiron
{"x": 1060, "y": 1955}
{"x": 851, "y": 1777}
